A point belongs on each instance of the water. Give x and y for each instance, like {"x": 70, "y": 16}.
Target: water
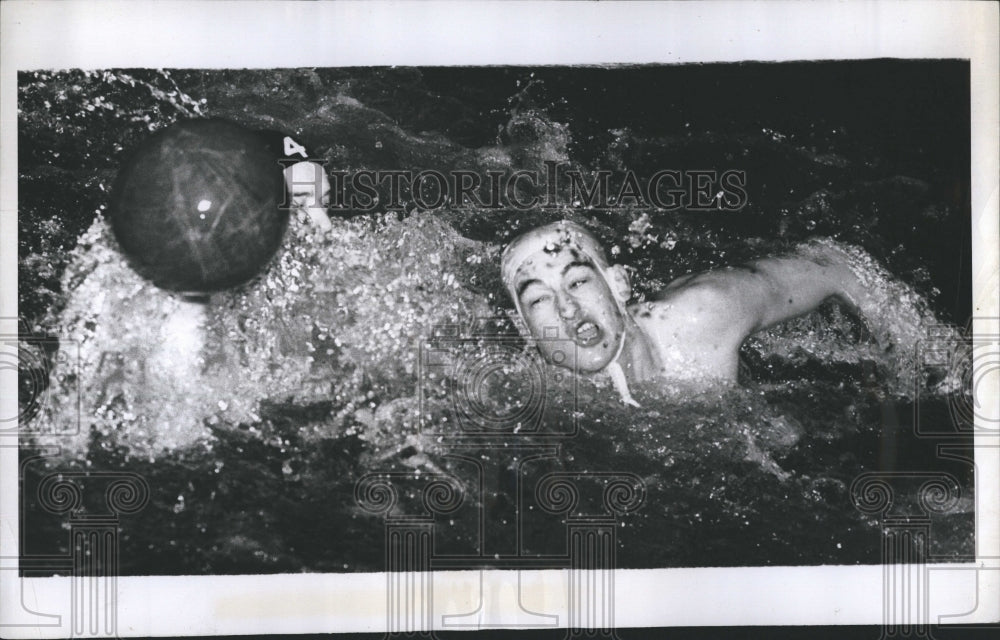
{"x": 253, "y": 433}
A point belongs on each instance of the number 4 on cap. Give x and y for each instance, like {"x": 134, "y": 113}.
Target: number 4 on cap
{"x": 292, "y": 147}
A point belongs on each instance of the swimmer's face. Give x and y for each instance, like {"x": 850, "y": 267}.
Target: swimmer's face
{"x": 310, "y": 189}
{"x": 560, "y": 291}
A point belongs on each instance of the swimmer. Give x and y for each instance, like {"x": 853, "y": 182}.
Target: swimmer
{"x": 568, "y": 294}
{"x": 305, "y": 179}
{"x": 309, "y": 187}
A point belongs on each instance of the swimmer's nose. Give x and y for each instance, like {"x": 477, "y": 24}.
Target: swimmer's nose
{"x": 567, "y": 306}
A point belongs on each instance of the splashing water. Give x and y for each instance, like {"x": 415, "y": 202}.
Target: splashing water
{"x": 309, "y": 376}
{"x": 336, "y": 319}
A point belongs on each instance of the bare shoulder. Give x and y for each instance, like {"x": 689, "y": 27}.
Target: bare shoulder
{"x": 708, "y": 292}
{"x": 695, "y": 328}
{"x": 700, "y": 300}
{"x": 707, "y": 304}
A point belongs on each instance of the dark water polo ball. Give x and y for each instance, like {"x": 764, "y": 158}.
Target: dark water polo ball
{"x": 196, "y": 207}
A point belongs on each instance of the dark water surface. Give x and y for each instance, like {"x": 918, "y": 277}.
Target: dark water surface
{"x": 306, "y": 388}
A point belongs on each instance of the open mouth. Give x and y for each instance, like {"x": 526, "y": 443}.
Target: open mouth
{"x": 587, "y": 334}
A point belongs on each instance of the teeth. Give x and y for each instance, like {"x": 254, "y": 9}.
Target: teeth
{"x": 586, "y": 331}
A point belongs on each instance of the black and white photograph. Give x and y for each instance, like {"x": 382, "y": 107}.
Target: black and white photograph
{"x": 394, "y": 322}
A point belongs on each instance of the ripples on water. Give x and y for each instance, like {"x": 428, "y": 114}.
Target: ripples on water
{"x": 253, "y": 428}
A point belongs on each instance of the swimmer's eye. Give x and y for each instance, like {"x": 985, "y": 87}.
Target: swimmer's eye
{"x": 535, "y": 302}
{"x": 579, "y": 282}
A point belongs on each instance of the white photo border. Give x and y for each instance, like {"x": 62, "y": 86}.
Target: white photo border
{"x": 95, "y": 35}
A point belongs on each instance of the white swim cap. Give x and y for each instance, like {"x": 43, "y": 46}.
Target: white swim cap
{"x": 556, "y": 234}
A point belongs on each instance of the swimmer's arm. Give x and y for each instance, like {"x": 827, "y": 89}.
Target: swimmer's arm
{"x": 739, "y": 301}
